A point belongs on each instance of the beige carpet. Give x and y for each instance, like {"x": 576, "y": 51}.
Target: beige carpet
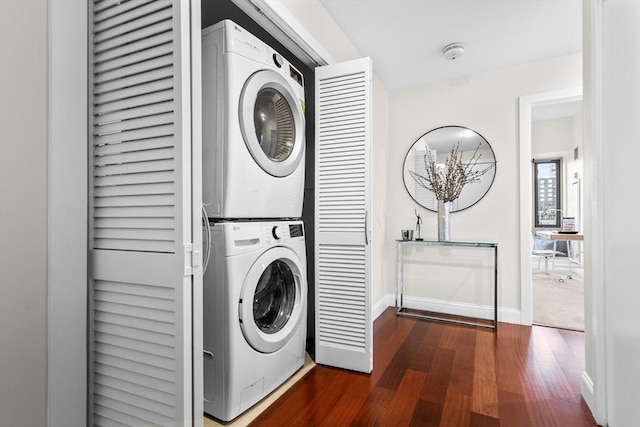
{"x": 558, "y": 304}
{"x": 246, "y": 418}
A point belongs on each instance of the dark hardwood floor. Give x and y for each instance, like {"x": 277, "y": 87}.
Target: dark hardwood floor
{"x": 434, "y": 374}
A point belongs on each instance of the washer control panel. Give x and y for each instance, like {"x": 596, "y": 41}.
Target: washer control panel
{"x": 281, "y": 232}
{"x": 277, "y": 232}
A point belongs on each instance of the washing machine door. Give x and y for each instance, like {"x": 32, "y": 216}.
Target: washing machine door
{"x": 272, "y": 123}
{"x": 272, "y": 300}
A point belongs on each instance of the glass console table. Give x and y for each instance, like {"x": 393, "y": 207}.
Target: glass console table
{"x": 401, "y": 310}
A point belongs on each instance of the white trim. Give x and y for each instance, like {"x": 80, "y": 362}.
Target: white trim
{"x": 525, "y": 105}
{"x": 67, "y": 214}
{"x": 586, "y": 389}
{"x": 196, "y": 220}
{"x": 380, "y": 306}
{"x": 507, "y": 315}
{"x": 594, "y": 184}
{"x": 276, "y": 19}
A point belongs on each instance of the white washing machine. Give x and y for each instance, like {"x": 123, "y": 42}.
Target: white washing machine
{"x": 255, "y": 305}
{"x": 253, "y": 127}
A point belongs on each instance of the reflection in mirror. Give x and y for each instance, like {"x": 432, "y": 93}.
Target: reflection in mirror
{"x": 438, "y": 144}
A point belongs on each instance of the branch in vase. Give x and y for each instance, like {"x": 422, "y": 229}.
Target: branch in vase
{"x": 447, "y": 183}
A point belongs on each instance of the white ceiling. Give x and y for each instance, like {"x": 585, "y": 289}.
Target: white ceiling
{"x": 405, "y": 38}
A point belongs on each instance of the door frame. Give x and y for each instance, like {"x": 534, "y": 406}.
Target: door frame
{"x": 526, "y": 103}
{"x": 594, "y": 383}
{"x": 67, "y": 289}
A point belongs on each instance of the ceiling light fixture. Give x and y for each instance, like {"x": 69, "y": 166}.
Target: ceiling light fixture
{"x": 453, "y": 51}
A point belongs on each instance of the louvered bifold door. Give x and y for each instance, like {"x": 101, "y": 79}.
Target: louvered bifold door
{"x": 141, "y": 244}
{"x": 343, "y": 215}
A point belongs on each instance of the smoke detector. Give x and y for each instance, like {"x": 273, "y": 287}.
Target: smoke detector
{"x": 453, "y": 51}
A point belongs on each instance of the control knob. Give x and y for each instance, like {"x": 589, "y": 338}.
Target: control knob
{"x": 277, "y": 59}
{"x": 276, "y": 232}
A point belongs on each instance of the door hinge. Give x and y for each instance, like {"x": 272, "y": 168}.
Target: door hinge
{"x": 192, "y": 259}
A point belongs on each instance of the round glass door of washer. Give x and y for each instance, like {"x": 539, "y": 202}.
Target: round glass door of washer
{"x": 272, "y": 300}
{"x": 272, "y": 123}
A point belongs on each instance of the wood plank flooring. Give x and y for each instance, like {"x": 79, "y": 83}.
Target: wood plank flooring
{"x": 436, "y": 374}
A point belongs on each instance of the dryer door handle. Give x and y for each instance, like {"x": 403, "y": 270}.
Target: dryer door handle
{"x": 366, "y": 227}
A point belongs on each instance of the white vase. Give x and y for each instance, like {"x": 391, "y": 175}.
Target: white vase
{"x": 444, "y": 213}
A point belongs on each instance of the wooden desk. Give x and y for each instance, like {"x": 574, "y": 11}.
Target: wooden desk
{"x": 556, "y": 236}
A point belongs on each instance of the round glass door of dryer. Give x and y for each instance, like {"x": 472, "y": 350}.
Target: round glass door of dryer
{"x": 272, "y": 123}
{"x": 273, "y": 297}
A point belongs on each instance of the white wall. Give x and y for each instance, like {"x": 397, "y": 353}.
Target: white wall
{"x": 552, "y": 139}
{"x": 611, "y": 382}
{"x": 487, "y": 103}
{"x": 551, "y": 136}
{"x": 379, "y": 171}
{"x": 557, "y": 138}
{"x": 23, "y": 213}
{"x": 575, "y": 174}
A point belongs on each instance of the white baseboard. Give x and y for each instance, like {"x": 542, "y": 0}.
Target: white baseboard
{"x": 385, "y": 302}
{"x": 508, "y": 315}
{"x": 586, "y": 389}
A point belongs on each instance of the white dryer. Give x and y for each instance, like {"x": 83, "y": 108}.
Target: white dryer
{"x": 255, "y": 304}
{"x": 253, "y": 127}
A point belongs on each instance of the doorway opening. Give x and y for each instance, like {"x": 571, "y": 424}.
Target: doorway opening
{"x": 550, "y": 128}
{"x": 556, "y": 169}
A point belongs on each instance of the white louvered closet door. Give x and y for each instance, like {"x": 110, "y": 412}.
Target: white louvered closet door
{"x": 343, "y": 214}
{"x": 141, "y": 214}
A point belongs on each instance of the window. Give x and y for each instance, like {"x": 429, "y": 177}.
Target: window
{"x": 547, "y": 193}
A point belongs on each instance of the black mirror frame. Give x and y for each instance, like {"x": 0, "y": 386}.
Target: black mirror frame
{"x": 495, "y": 163}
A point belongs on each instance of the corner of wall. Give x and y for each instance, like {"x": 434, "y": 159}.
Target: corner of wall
{"x": 380, "y": 306}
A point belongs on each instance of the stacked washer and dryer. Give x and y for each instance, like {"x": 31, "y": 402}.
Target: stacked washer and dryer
{"x": 255, "y": 286}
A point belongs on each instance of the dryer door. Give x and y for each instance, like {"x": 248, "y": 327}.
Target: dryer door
{"x": 272, "y": 123}
{"x": 272, "y": 300}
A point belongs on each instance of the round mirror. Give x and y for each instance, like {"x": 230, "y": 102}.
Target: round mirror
{"x": 449, "y": 148}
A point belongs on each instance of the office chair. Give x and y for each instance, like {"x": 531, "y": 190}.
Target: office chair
{"x": 543, "y": 248}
